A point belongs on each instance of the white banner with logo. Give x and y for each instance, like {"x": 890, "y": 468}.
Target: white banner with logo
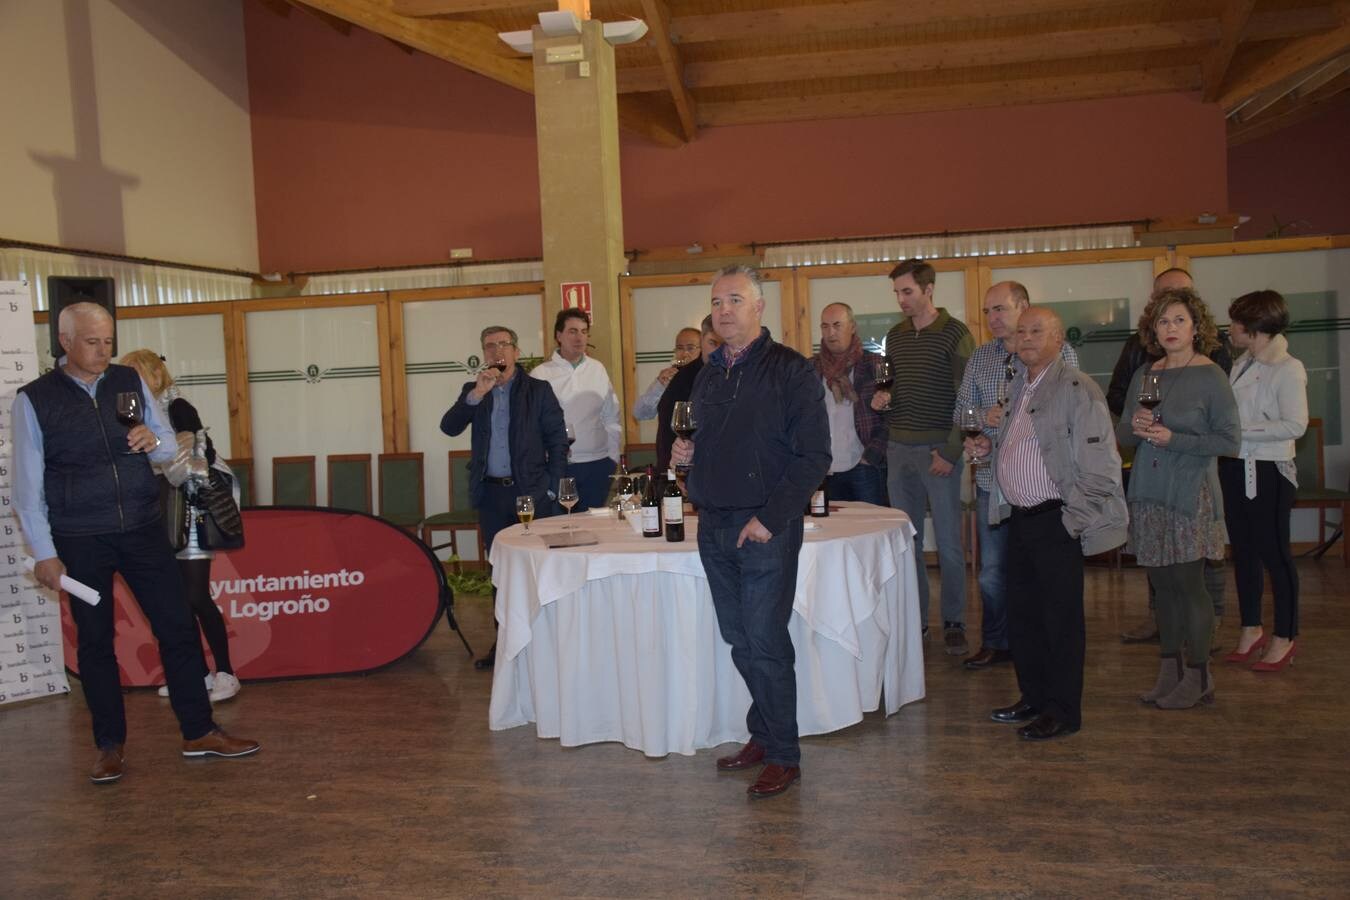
{"x": 32, "y": 663}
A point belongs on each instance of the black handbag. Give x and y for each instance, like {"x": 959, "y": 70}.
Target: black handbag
{"x": 219, "y": 524}
{"x": 173, "y": 504}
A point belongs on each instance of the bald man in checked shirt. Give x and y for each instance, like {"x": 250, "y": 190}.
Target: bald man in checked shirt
{"x": 1057, "y": 481}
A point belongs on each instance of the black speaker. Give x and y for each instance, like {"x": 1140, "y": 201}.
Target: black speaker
{"x": 63, "y": 290}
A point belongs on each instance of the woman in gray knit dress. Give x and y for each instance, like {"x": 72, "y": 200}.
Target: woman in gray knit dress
{"x": 1176, "y": 506}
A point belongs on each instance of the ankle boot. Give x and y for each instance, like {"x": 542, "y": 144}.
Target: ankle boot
{"x": 1169, "y": 676}
{"x": 1196, "y": 687}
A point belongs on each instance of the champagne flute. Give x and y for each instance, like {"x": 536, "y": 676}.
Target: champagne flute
{"x": 1150, "y": 394}
{"x": 525, "y": 511}
{"x": 882, "y": 376}
{"x": 129, "y": 411}
{"x": 972, "y": 423}
{"x": 683, "y": 423}
{"x": 567, "y": 496}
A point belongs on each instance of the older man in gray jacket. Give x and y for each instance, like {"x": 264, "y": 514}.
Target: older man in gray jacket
{"x": 1057, "y": 478}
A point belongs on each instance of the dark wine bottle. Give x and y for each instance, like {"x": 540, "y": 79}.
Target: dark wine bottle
{"x": 651, "y": 507}
{"x": 672, "y": 509}
{"x": 820, "y": 503}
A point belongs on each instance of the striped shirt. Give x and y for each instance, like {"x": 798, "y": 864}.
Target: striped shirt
{"x": 928, "y": 364}
{"x": 1021, "y": 470}
{"x": 991, "y": 369}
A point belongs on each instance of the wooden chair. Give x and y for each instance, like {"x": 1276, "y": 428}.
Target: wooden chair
{"x": 293, "y": 481}
{"x": 1314, "y": 494}
{"x": 243, "y": 474}
{"x": 349, "y": 481}
{"x": 462, "y": 516}
{"x": 401, "y": 486}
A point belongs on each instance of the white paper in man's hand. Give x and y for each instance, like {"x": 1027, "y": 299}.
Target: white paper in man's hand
{"x": 70, "y": 585}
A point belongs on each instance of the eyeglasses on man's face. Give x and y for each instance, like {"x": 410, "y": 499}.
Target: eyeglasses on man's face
{"x": 498, "y": 345}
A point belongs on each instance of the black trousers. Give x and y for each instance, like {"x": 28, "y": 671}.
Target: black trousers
{"x": 197, "y": 587}
{"x": 1045, "y": 613}
{"x": 144, "y": 559}
{"x": 1258, "y": 529}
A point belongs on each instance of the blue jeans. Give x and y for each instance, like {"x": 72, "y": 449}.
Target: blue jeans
{"x": 862, "y": 482}
{"x": 993, "y": 576}
{"x": 752, "y": 590}
{"x": 914, "y": 490}
{"x": 592, "y": 482}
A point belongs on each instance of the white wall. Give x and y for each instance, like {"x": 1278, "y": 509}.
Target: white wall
{"x": 125, "y": 129}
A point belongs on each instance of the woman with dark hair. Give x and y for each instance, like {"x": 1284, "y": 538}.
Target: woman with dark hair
{"x": 193, "y": 561}
{"x": 1259, "y": 482}
{"x": 1176, "y": 507}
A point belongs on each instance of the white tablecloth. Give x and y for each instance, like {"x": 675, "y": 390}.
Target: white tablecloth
{"x": 619, "y": 641}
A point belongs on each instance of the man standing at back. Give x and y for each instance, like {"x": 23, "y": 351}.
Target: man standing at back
{"x": 928, "y": 351}
{"x": 857, "y": 430}
{"x": 589, "y": 405}
{"x": 985, "y": 386}
{"x": 763, "y": 448}
{"x": 519, "y": 443}
{"x": 88, "y": 503}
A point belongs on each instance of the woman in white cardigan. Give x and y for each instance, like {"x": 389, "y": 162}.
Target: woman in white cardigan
{"x": 1258, "y": 487}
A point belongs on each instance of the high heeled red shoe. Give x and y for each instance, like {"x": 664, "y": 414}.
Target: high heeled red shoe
{"x": 1237, "y": 656}
{"x": 1280, "y": 663}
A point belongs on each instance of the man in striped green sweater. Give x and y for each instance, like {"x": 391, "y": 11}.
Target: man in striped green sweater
{"x": 928, "y": 351}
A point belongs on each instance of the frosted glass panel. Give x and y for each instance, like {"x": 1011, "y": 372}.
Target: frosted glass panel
{"x": 314, "y": 386}
{"x": 660, "y": 312}
{"x": 1099, "y": 304}
{"x": 874, "y": 305}
{"x": 442, "y": 342}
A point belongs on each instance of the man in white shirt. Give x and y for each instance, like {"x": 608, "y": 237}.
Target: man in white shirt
{"x": 589, "y": 406}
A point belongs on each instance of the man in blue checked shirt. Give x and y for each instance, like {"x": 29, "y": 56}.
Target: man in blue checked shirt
{"x": 988, "y": 375}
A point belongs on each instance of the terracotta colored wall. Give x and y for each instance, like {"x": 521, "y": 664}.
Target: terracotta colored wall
{"x": 1300, "y": 176}
{"x": 366, "y": 156}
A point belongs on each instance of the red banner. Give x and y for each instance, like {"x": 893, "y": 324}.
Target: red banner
{"x": 313, "y": 592}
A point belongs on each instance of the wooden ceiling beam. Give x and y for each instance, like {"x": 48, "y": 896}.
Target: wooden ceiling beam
{"x": 860, "y": 15}
{"x": 1307, "y": 83}
{"x": 1291, "y": 110}
{"x": 946, "y": 55}
{"x": 657, "y": 16}
{"x": 341, "y": 26}
{"x": 1288, "y": 62}
{"x": 965, "y": 96}
{"x": 434, "y": 8}
{"x": 1233, "y": 23}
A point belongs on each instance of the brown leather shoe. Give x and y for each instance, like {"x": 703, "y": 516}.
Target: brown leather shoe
{"x": 751, "y": 754}
{"x": 987, "y": 657}
{"x": 218, "y": 743}
{"x": 109, "y": 765}
{"x": 773, "y": 781}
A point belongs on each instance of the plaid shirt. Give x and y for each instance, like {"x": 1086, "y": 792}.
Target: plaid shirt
{"x": 869, "y": 423}
{"x": 987, "y": 370}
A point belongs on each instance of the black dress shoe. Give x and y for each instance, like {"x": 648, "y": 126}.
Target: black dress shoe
{"x": 487, "y": 660}
{"x": 987, "y": 657}
{"x": 1019, "y": 712}
{"x": 1045, "y": 728}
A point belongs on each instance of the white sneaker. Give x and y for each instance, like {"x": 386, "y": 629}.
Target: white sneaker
{"x": 226, "y": 687}
{"x": 164, "y": 688}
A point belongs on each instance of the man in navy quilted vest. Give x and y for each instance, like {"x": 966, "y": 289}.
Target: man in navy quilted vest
{"x": 88, "y": 505}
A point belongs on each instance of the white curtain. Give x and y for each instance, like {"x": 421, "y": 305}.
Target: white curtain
{"x": 945, "y": 246}
{"x": 434, "y": 276}
{"x": 138, "y": 284}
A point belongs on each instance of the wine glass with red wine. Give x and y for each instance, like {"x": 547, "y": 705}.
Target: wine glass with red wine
{"x": 882, "y": 375}
{"x": 129, "y": 411}
{"x": 1150, "y": 393}
{"x": 683, "y": 423}
{"x": 972, "y": 425}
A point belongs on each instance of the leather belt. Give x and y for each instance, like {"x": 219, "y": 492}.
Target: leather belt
{"x": 1038, "y": 508}
{"x": 504, "y": 482}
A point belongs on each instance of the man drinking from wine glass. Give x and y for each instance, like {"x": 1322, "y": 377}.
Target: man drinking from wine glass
{"x": 763, "y": 447}
{"x": 679, "y": 389}
{"x": 88, "y": 504}
{"x": 685, "y": 353}
{"x": 857, "y": 431}
{"x": 518, "y": 443}
{"x": 984, "y": 386}
{"x": 1057, "y": 482}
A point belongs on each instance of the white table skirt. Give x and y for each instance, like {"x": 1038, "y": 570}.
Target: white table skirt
{"x": 619, "y": 642}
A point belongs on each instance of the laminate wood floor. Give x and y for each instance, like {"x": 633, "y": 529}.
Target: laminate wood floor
{"x": 391, "y": 785}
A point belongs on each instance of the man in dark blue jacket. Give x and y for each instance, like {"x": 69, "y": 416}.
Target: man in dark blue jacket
{"x": 763, "y": 448}
{"x": 519, "y": 443}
